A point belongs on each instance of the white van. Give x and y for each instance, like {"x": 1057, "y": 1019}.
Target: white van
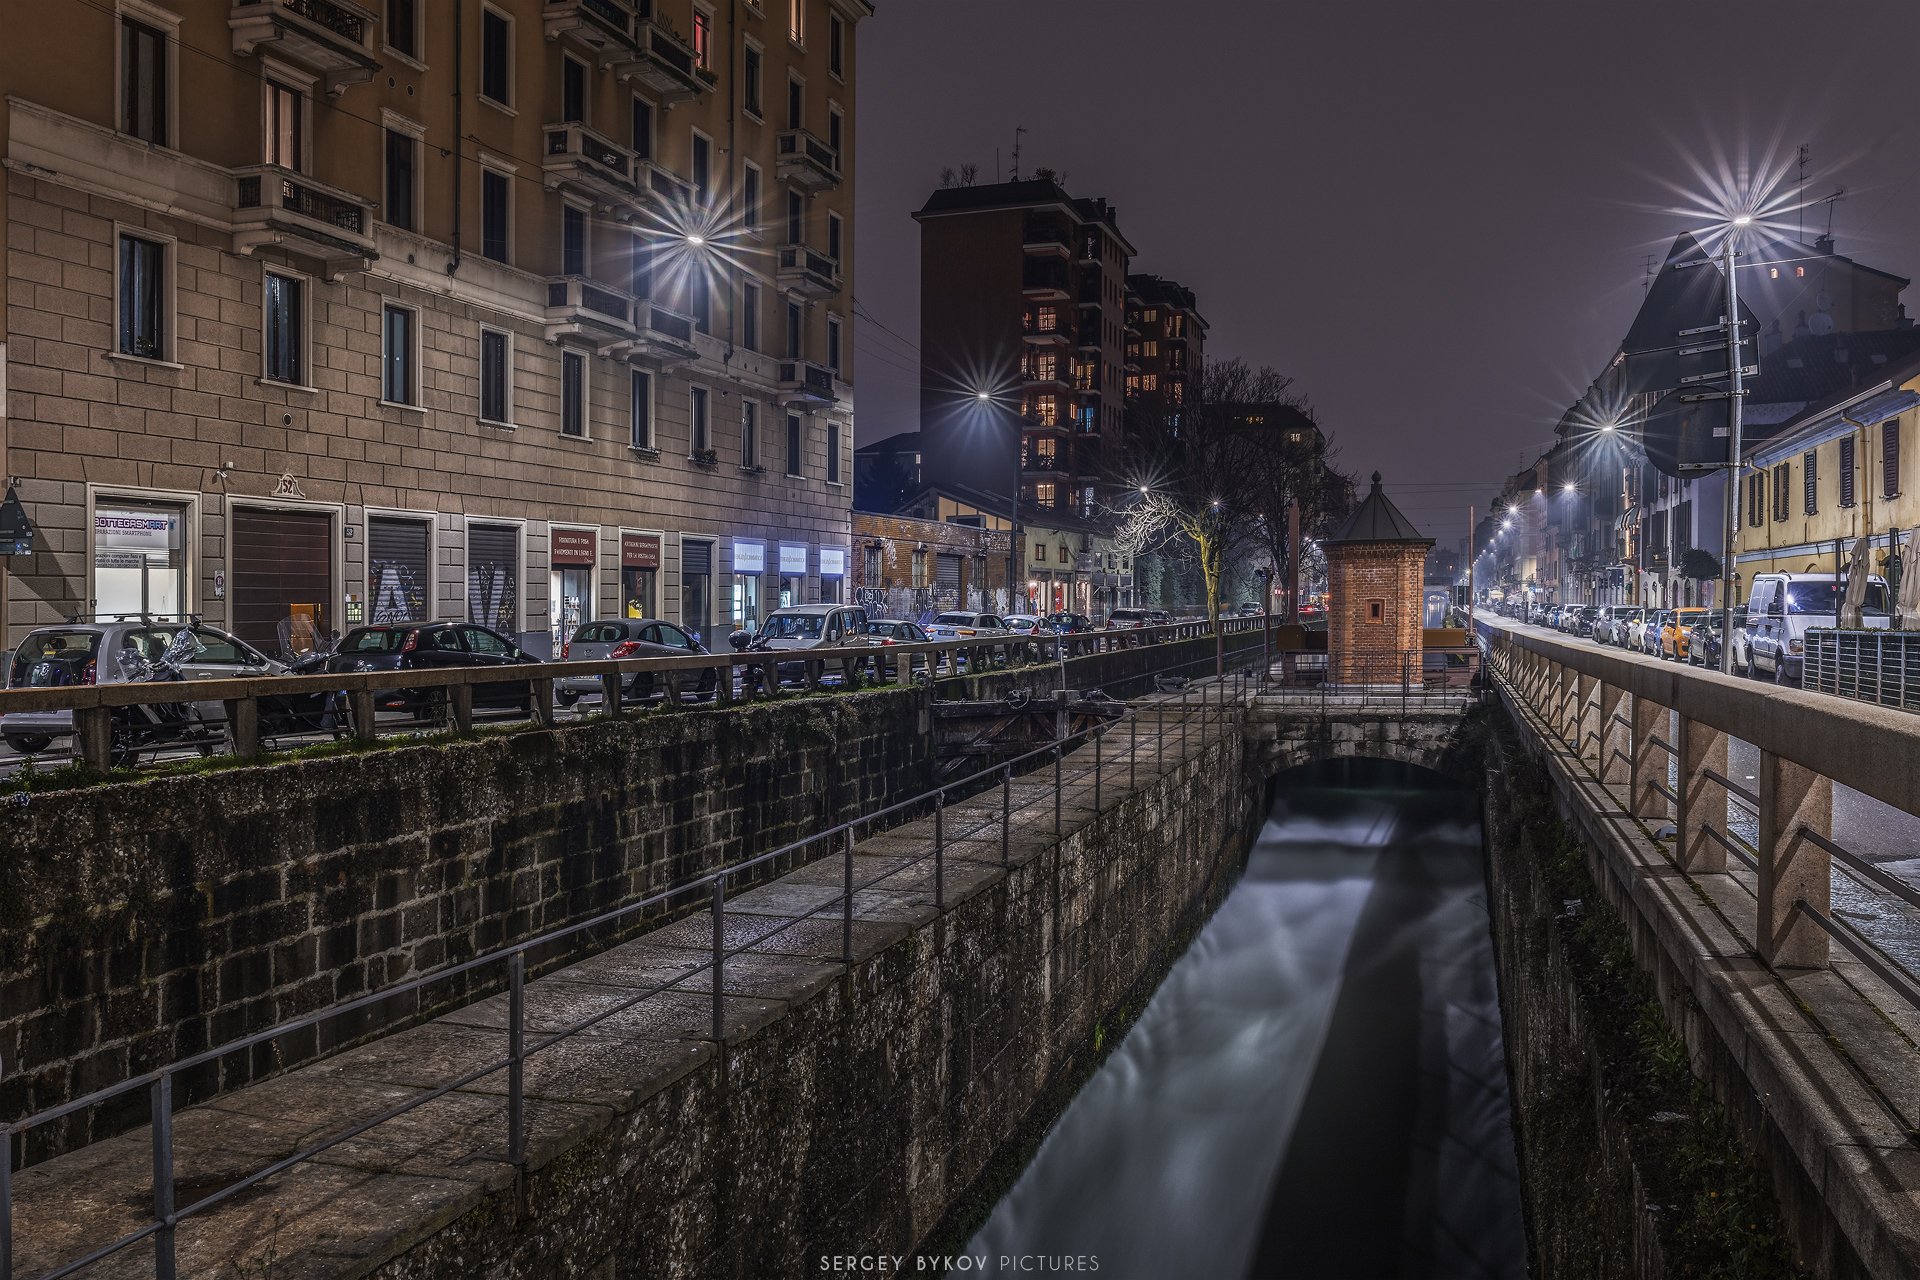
{"x": 1784, "y": 606}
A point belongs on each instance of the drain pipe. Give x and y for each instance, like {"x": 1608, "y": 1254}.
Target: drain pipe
{"x": 459, "y": 137}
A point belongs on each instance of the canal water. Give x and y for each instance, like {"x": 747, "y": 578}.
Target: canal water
{"x": 1318, "y": 1089}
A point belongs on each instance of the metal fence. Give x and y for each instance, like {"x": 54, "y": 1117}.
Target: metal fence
{"x": 1192, "y": 709}
{"x": 1881, "y": 667}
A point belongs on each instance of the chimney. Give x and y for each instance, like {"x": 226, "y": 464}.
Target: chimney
{"x": 1824, "y": 244}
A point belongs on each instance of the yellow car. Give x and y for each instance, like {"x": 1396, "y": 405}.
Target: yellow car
{"x": 1675, "y": 626}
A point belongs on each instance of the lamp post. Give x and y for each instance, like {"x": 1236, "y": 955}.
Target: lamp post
{"x": 1736, "y": 395}
{"x": 985, "y": 399}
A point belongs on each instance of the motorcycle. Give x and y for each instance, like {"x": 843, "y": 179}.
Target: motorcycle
{"x": 153, "y": 726}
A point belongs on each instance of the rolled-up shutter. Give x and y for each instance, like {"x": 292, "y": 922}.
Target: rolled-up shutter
{"x": 399, "y": 568}
{"x": 493, "y": 577}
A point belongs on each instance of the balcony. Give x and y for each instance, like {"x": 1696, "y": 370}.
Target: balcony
{"x": 1037, "y": 376}
{"x": 1033, "y": 462}
{"x": 1089, "y": 335}
{"x": 579, "y": 308}
{"x": 580, "y": 161}
{"x": 331, "y": 37}
{"x": 604, "y": 26}
{"x": 1090, "y": 295}
{"x": 1045, "y": 281}
{"x": 803, "y": 382}
{"x": 807, "y": 161}
{"x": 663, "y": 193}
{"x": 809, "y": 274}
{"x": 660, "y": 61}
{"x": 1047, "y": 236}
{"x": 1045, "y": 330}
{"x": 660, "y": 336}
{"x": 322, "y": 224}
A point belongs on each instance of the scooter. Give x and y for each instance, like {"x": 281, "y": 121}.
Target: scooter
{"x": 153, "y": 726}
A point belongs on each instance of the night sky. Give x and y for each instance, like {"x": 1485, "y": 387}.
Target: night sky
{"x": 1435, "y": 214}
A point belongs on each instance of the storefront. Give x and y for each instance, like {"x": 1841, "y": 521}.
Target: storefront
{"x": 284, "y": 571}
{"x": 493, "y": 577}
{"x": 696, "y": 588}
{"x": 399, "y": 569}
{"x": 749, "y": 562}
{"x": 573, "y": 555}
{"x": 833, "y": 574}
{"x": 639, "y": 574}
{"x": 793, "y": 573}
{"x": 139, "y": 558}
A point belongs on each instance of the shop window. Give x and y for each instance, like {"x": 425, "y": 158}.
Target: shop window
{"x": 139, "y": 559}
{"x": 639, "y": 573}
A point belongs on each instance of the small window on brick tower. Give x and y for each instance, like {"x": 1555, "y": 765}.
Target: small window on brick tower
{"x": 1376, "y": 611}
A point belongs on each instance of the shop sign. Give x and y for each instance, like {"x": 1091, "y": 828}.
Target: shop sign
{"x": 749, "y": 557}
{"x": 833, "y": 562}
{"x": 793, "y": 559}
{"x": 133, "y": 531}
{"x": 287, "y": 487}
{"x": 639, "y": 551}
{"x": 574, "y": 546}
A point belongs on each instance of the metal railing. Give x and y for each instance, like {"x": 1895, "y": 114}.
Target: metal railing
{"x": 167, "y": 1215}
{"x": 1406, "y": 677}
{"x": 1881, "y": 667}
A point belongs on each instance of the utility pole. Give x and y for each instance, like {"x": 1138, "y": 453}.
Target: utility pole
{"x": 1472, "y": 561}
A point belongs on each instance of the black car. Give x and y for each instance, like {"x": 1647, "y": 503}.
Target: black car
{"x": 1069, "y": 623}
{"x": 433, "y": 646}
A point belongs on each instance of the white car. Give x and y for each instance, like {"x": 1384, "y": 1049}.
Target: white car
{"x": 1025, "y": 624}
{"x": 1783, "y": 607}
{"x": 967, "y": 625}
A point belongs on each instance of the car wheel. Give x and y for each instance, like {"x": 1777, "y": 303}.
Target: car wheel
{"x": 1779, "y": 671}
{"x": 28, "y": 746}
{"x": 565, "y": 697}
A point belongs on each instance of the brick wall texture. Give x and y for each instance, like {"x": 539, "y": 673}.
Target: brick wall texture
{"x": 1366, "y": 649}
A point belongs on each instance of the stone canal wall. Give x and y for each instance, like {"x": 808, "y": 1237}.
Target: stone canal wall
{"x": 1123, "y": 673}
{"x": 145, "y": 921}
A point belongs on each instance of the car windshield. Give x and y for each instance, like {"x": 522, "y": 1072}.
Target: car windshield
{"x": 375, "y": 640}
{"x": 955, "y": 619}
{"x": 792, "y": 626}
{"x": 1827, "y": 597}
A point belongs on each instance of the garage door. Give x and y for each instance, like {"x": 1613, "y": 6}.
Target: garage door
{"x": 946, "y": 578}
{"x": 493, "y": 577}
{"x": 282, "y": 564}
{"x": 398, "y": 570}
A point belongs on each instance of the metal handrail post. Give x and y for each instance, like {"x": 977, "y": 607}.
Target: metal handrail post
{"x": 6, "y": 1206}
{"x": 719, "y": 957}
{"x": 846, "y": 904}
{"x": 1006, "y": 816}
{"x": 939, "y": 851}
{"x": 163, "y": 1259}
{"x": 516, "y": 1058}
{"x": 1133, "y": 747}
{"x": 1097, "y": 736}
{"x": 1059, "y": 753}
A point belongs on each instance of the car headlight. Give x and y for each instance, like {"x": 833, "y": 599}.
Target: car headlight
{"x": 1795, "y": 646}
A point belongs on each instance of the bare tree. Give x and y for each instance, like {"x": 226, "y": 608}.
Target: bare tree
{"x": 1293, "y": 462}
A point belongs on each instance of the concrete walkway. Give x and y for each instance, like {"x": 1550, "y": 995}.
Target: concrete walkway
{"x": 369, "y": 1198}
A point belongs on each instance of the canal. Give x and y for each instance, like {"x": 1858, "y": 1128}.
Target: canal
{"x": 1318, "y": 1088}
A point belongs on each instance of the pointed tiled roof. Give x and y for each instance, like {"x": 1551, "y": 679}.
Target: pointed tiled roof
{"x": 1377, "y": 520}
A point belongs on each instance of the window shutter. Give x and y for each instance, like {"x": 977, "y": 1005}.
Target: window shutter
{"x": 1780, "y": 492}
{"x": 1846, "y": 471}
{"x": 1890, "y": 458}
{"x": 1809, "y": 465}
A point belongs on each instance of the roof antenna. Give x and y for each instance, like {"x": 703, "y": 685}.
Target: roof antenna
{"x": 1017, "y": 131}
{"x": 1646, "y": 276}
{"x": 1839, "y": 194}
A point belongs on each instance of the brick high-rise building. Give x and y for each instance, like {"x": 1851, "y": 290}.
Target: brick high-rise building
{"x": 510, "y": 311}
{"x": 1166, "y": 341}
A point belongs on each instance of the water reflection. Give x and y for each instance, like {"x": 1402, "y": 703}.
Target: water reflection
{"x": 1318, "y": 1088}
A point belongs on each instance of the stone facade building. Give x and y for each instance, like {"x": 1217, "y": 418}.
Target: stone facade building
{"x": 904, "y": 566}
{"x": 1375, "y": 566}
{"x": 318, "y": 314}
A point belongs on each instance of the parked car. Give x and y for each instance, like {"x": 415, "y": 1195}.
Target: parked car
{"x": 1160, "y": 618}
{"x": 966, "y": 625}
{"x": 1675, "y": 629}
{"x": 887, "y": 632}
{"x": 1783, "y": 607}
{"x": 1130, "y": 619}
{"x": 1026, "y": 624}
{"x": 1705, "y": 638}
{"x": 1652, "y": 628}
{"x": 1583, "y": 619}
{"x": 1069, "y": 623}
{"x": 798, "y": 628}
{"x": 1613, "y": 626}
{"x": 433, "y": 646}
{"x": 84, "y": 653}
{"x": 607, "y": 638}
{"x": 1249, "y": 609}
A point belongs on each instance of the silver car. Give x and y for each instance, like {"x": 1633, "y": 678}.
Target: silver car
{"x": 83, "y": 653}
{"x": 966, "y": 626}
{"x": 607, "y": 638}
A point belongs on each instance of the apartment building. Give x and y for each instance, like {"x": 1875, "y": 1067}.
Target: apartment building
{"x": 319, "y": 314}
{"x": 1166, "y": 341}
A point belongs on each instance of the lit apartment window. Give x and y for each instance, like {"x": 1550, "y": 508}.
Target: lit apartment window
{"x": 573, "y": 394}
{"x": 797, "y": 21}
{"x": 702, "y": 39}
{"x": 749, "y": 434}
{"x": 496, "y": 56}
{"x": 751, "y": 80}
{"x": 494, "y": 194}
{"x": 396, "y": 356}
{"x": 495, "y": 377}
{"x": 286, "y": 112}
{"x": 697, "y": 420}
{"x": 285, "y": 340}
{"x": 143, "y": 82}
{"x": 836, "y": 45}
{"x": 1043, "y": 493}
{"x": 750, "y": 316}
{"x": 143, "y": 305}
{"x": 795, "y": 444}
{"x": 750, "y": 198}
{"x": 640, "y": 413}
{"x": 403, "y": 28}
{"x": 573, "y": 90}
{"x": 573, "y": 241}
{"x": 833, "y": 453}
{"x": 1084, "y": 417}
{"x": 702, "y": 169}
{"x": 1045, "y": 411}
{"x": 402, "y": 150}
{"x": 833, "y": 343}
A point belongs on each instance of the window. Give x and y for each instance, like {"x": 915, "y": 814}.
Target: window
{"x": 643, "y": 128}
{"x": 573, "y": 241}
{"x": 797, "y": 21}
{"x": 1810, "y": 483}
{"x": 640, "y": 269}
{"x": 640, "y": 412}
{"x": 836, "y": 130}
{"x": 396, "y": 356}
{"x": 1376, "y": 610}
{"x": 1846, "y": 471}
{"x": 1780, "y": 478}
{"x": 573, "y": 90}
{"x": 1043, "y": 493}
{"x": 401, "y": 149}
{"x": 919, "y": 570}
{"x": 286, "y": 110}
{"x": 796, "y": 103}
{"x": 751, "y": 80}
{"x": 1756, "y": 491}
{"x": 494, "y": 234}
{"x": 285, "y": 355}
{"x": 833, "y": 453}
{"x": 143, "y": 298}
{"x": 697, "y": 419}
{"x": 143, "y": 82}
{"x": 1040, "y": 552}
{"x": 749, "y": 434}
{"x": 1890, "y": 459}
{"x": 702, "y": 169}
{"x": 496, "y": 56}
{"x": 700, "y": 301}
{"x": 836, "y": 232}
{"x": 836, "y": 45}
{"x": 573, "y": 394}
{"x": 750, "y": 198}
{"x": 750, "y": 316}
{"x": 833, "y": 343}
{"x": 794, "y": 328}
{"x": 702, "y": 39}
{"x": 796, "y": 218}
{"x": 495, "y": 377}
{"x": 796, "y": 440}
{"x": 403, "y": 28}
